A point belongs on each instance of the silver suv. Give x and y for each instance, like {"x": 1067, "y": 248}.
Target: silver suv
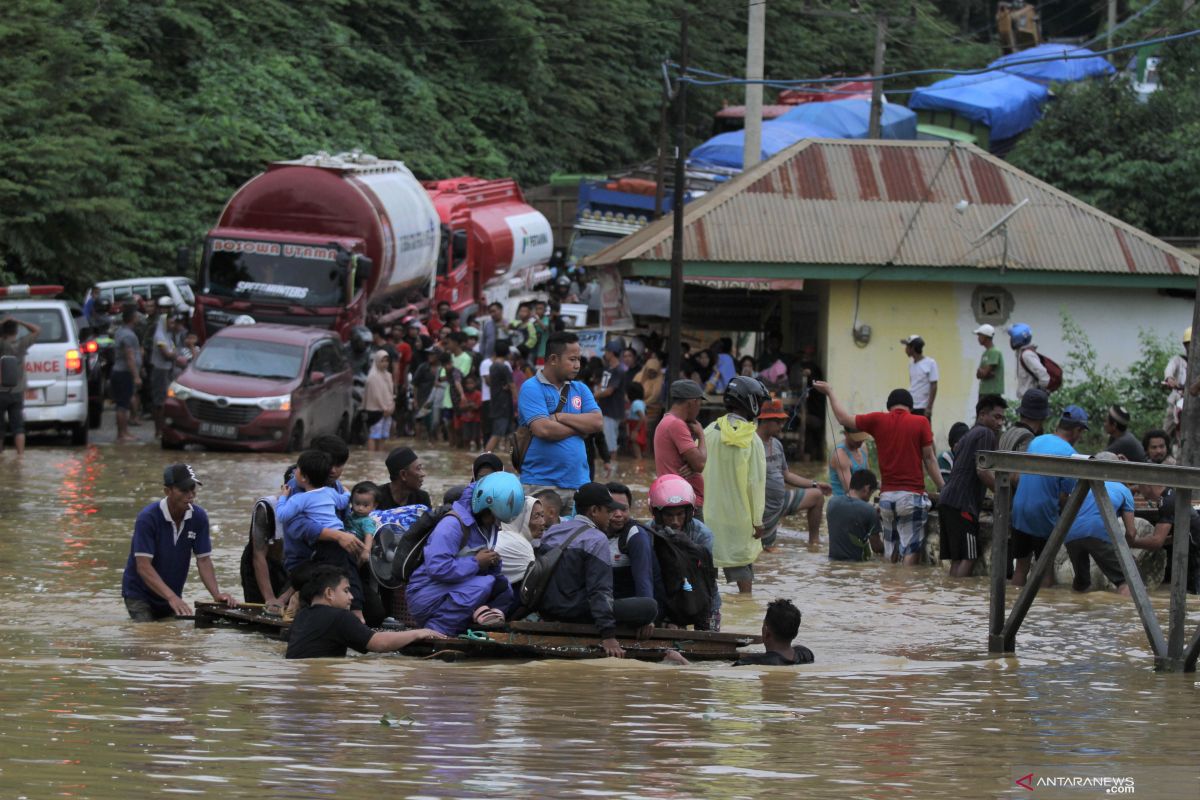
{"x": 56, "y": 387}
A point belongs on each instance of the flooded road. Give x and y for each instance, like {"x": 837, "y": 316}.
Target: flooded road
{"x": 902, "y": 701}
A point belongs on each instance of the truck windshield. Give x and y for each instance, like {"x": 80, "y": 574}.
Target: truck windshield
{"x": 276, "y": 278}
{"x": 584, "y": 244}
{"x": 254, "y": 359}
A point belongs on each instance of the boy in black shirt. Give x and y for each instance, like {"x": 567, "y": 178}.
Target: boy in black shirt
{"x": 780, "y": 627}
{"x": 325, "y": 626}
{"x": 962, "y": 496}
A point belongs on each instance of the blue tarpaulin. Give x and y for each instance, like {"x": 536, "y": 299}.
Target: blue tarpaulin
{"x": 727, "y": 149}
{"x": 851, "y": 119}
{"x": 1008, "y": 105}
{"x": 1082, "y": 65}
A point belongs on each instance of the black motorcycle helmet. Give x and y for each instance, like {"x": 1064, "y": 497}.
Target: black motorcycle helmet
{"x": 745, "y": 396}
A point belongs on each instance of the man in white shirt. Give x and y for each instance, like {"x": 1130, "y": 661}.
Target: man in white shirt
{"x": 1175, "y": 379}
{"x": 922, "y": 376}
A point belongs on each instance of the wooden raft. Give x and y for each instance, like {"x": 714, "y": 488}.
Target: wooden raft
{"x": 519, "y": 639}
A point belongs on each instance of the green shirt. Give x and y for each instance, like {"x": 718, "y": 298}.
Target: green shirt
{"x": 994, "y": 384}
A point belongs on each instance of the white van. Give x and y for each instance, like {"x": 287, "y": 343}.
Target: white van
{"x": 56, "y": 386}
{"x": 177, "y": 288}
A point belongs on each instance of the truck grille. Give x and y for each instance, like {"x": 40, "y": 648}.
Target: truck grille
{"x": 208, "y": 411}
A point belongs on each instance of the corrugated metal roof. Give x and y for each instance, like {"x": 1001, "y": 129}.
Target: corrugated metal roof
{"x": 893, "y": 203}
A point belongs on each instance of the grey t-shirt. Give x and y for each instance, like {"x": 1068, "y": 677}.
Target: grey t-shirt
{"x": 18, "y": 348}
{"x": 776, "y": 487}
{"x": 851, "y": 522}
{"x": 1127, "y": 445}
{"x": 126, "y": 340}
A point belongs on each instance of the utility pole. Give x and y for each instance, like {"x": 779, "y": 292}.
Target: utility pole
{"x": 675, "y": 356}
{"x": 660, "y": 167}
{"x": 881, "y": 27}
{"x": 1112, "y": 23}
{"x": 754, "y": 91}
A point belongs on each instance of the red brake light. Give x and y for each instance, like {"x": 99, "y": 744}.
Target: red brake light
{"x": 25, "y": 290}
{"x": 74, "y": 362}
{"x": 90, "y": 346}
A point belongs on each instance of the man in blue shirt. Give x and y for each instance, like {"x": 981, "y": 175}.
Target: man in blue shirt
{"x": 165, "y": 536}
{"x": 1089, "y": 536}
{"x": 557, "y": 457}
{"x": 1039, "y": 498}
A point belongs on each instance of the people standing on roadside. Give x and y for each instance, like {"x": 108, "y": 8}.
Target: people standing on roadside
{"x": 13, "y": 349}
{"x": 1038, "y": 498}
{"x": 492, "y": 331}
{"x": 1031, "y": 416}
{"x": 847, "y": 458}
{"x": 503, "y": 397}
{"x": 904, "y": 443}
{"x": 1174, "y": 380}
{"x": 611, "y": 395}
{"x": 680, "y": 446}
{"x": 991, "y": 364}
{"x": 853, "y": 522}
{"x": 406, "y": 474}
{"x": 162, "y": 361}
{"x": 786, "y": 492}
{"x": 735, "y": 474}
{"x": 922, "y": 376}
{"x": 126, "y": 376}
{"x": 165, "y": 536}
{"x": 92, "y": 311}
{"x": 1120, "y": 440}
{"x": 962, "y": 497}
{"x": 559, "y": 411}
{"x": 379, "y": 402}
{"x": 1031, "y": 374}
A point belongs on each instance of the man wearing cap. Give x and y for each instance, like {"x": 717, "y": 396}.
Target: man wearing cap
{"x": 580, "y": 588}
{"x": 904, "y": 442}
{"x": 922, "y": 377}
{"x": 611, "y": 394}
{"x": 406, "y": 474}
{"x": 1038, "y": 498}
{"x": 165, "y": 536}
{"x": 1031, "y": 416}
{"x": 991, "y": 364}
{"x": 679, "y": 445}
{"x": 1120, "y": 440}
{"x": 805, "y": 495}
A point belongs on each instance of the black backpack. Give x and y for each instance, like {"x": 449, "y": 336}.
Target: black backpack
{"x": 541, "y": 570}
{"x": 404, "y": 549}
{"x": 689, "y": 578}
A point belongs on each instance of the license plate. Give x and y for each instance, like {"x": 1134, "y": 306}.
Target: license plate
{"x": 33, "y": 395}
{"x": 218, "y": 431}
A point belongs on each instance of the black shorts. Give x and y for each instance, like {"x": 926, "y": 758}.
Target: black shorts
{"x": 1024, "y": 545}
{"x": 122, "y": 389}
{"x": 502, "y": 426}
{"x": 1106, "y": 558}
{"x": 959, "y": 535}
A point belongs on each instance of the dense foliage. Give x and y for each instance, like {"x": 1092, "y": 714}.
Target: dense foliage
{"x": 124, "y": 125}
{"x": 1135, "y": 160}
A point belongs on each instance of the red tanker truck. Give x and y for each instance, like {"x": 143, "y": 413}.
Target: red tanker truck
{"x": 488, "y": 230}
{"x": 316, "y": 241}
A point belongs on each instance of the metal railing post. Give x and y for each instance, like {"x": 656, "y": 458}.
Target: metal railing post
{"x": 1177, "y": 617}
{"x": 1000, "y": 535}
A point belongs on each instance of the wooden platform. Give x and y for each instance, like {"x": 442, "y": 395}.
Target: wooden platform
{"x": 518, "y": 639}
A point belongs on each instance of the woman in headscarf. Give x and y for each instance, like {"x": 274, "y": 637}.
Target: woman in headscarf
{"x": 379, "y": 400}
{"x": 514, "y": 543}
{"x": 704, "y": 367}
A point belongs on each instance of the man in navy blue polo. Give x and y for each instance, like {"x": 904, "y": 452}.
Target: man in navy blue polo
{"x": 560, "y": 411}
{"x": 165, "y": 536}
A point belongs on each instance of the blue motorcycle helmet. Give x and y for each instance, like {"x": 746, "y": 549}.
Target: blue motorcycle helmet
{"x": 501, "y": 494}
{"x": 1019, "y": 335}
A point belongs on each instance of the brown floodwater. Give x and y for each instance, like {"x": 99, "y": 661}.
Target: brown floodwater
{"x": 902, "y": 702}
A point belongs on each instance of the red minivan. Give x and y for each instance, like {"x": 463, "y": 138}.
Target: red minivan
{"x": 261, "y": 387}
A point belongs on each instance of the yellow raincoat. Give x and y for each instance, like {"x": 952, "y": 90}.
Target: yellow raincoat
{"x": 735, "y": 490}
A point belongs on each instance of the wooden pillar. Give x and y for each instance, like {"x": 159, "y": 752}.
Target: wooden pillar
{"x": 1000, "y": 536}
{"x": 1133, "y": 578}
{"x": 1177, "y": 618}
{"x": 1044, "y": 563}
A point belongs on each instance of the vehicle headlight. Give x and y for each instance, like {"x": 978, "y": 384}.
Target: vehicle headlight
{"x": 281, "y": 403}
{"x": 178, "y": 391}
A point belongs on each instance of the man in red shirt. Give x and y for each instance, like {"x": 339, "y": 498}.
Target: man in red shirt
{"x": 904, "y": 442}
{"x": 679, "y": 447}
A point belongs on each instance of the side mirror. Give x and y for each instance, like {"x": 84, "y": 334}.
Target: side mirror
{"x": 365, "y": 267}
{"x": 316, "y": 378}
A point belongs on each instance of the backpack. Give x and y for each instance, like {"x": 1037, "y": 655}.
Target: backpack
{"x": 688, "y": 577}
{"x": 1052, "y": 367}
{"x": 524, "y": 434}
{"x": 541, "y": 570}
{"x": 404, "y": 549}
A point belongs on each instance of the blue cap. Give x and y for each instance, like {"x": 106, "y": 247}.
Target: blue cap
{"x": 1074, "y": 417}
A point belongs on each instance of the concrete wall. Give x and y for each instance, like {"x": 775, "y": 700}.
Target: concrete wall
{"x": 945, "y": 314}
